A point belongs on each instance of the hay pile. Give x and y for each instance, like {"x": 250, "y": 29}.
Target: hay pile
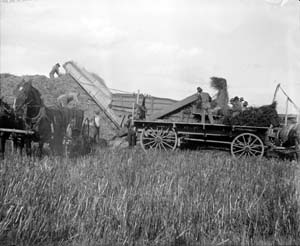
{"x": 221, "y": 100}
{"x": 262, "y": 116}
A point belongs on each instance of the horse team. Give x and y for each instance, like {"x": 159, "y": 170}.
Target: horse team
{"x": 48, "y": 124}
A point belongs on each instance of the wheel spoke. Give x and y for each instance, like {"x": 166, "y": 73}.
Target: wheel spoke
{"x": 151, "y": 134}
{"x": 150, "y": 142}
{"x": 244, "y": 139}
{"x": 256, "y": 146}
{"x": 242, "y": 144}
{"x": 146, "y": 138}
{"x": 249, "y": 140}
{"x": 169, "y": 136}
{"x": 255, "y": 140}
{"x": 242, "y": 154}
{"x": 163, "y": 146}
{"x": 238, "y": 146}
{"x": 237, "y": 151}
{"x": 169, "y": 140}
{"x": 159, "y": 146}
{"x": 257, "y": 151}
{"x": 165, "y": 133}
{"x": 252, "y": 154}
{"x": 152, "y": 145}
{"x": 168, "y": 145}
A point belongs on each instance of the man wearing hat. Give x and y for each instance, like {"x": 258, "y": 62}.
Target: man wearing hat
{"x": 204, "y": 104}
{"x": 64, "y": 99}
{"x": 236, "y": 106}
{"x": 55, "y": 70}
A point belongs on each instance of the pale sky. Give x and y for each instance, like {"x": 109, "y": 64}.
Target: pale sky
{"x": 161, "y": 47}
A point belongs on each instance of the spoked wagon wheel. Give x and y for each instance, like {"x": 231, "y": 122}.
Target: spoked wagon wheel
{"x": 247, "y": 145}
{"x": 158, "y": 139}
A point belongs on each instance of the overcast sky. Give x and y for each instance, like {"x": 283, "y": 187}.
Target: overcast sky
{"x": 162, "y": 47}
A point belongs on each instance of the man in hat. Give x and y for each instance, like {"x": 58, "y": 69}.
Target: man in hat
{"x": 236, "y": 106}
{"x": 244, "y": 106}
{"x": 54, "y": 70}
{"x": 204, "y": 104}
{"x": 64, "y": 99}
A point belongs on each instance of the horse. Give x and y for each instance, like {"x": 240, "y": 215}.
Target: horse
{"x": 46, "y": 123}
{"x": 8, "y": 120}
{"x": 49, "y": 124}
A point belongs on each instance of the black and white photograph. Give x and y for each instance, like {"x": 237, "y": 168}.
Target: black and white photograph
{"x": 138, "y": 122}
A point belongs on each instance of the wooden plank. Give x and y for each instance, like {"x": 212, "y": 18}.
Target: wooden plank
{"x": 27, "y": 132}
{"x": 148, "y": 102}
{"x": 175, "y": 107}
{"x": 92, "y": 86}
{"x": 130, "y": 95}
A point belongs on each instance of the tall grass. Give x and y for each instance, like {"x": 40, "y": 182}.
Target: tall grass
{"x": 127, "y": 197}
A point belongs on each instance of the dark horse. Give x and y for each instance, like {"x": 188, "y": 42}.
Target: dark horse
{"x": 46, "y": 123}
{"x": 9, "y": 121}
{"x": 49, "y": 124}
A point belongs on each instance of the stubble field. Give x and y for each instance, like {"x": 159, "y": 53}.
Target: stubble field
{"x": 127, "y": 197}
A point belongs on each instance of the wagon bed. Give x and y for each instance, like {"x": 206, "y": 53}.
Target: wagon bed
{"x": 240, "y": 140}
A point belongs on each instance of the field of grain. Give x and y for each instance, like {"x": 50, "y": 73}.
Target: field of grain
{"x": 127, "y": 197}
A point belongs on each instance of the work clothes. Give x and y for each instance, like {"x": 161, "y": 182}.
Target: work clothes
{"x": 204, "y": 104}
{"x": 140, "y": 112}
{"x": 237, "y": 108}
{"x": 97, "y": 128}
{"x": 54, "y": 70}
{"x": 131, "y": 136}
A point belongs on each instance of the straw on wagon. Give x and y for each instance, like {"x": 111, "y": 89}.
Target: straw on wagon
{"x": 262, "y": 116}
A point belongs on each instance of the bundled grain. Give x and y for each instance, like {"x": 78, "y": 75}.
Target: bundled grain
{"x": 221, "y": 100}
{"x": 262, "y": 116}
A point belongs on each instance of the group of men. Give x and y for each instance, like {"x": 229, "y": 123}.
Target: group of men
{"x": 95, "y": 130}
{"x": 238, "y": 105}
{"x": 203, "y": 104}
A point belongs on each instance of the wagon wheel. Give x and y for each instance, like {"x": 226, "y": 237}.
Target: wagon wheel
{"x": 247, "y": 145}
{"x": 158, "y": 139}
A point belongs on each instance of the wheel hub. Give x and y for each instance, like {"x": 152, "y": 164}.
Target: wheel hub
{"x": 247, "y": 148}
{"x": 158, "y": 139}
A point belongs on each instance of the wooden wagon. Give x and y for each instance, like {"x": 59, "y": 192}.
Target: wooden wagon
{"x": 240, "y": 140}
{"x": 176, "y": 127}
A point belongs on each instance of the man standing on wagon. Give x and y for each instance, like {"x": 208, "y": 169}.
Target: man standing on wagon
{"x": 204, "y": 104}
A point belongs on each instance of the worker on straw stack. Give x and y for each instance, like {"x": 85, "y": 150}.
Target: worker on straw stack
{"x": 54, "y": 70}
{"x": 236, "y": 106}
{"x": 64, "y": 99}
{"x": 244, "y": 106}
{"x": 204, "y": 104}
